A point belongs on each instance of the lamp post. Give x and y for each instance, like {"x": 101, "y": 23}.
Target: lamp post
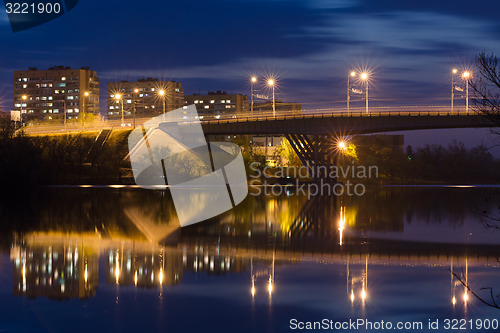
{"x": 352, "y": 74}
{"x": 25, "y": 99}
{"x": 85, "y": 95}
{"x": 136, "y": 91}
{"x": 161, "y": 92}
{"x": 271, "y": 82}
{"x": 466, "y": 76}
{"x": 453, "y": 72}
{"x": 64, "y": 110}
{"x": 253, "y": 80}
{"x": 364, "y": 77}
{"x": 120, "y": 99}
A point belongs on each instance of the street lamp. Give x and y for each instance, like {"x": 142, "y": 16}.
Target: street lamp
{"x": 453, "y": 72}
{"x": 271, "y": 83}
{"x": 253, "y": 80}
{"x": 25, "y": 99}
{"x": 466, "y": 75}
{"x": 161, "y": 92}
{"x": 85, "y": 94}
{"x": 136, "y": 91}
{"x": 120, "y": 99}
{"x": 364, "y": 77}
{"x": 352, "y": 74}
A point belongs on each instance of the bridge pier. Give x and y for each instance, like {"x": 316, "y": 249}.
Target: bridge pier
{"x": 315, "y": 154}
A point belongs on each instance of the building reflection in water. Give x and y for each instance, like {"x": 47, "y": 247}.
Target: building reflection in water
{"x": 57, "y": 271}
{"x": 129, "y": 266}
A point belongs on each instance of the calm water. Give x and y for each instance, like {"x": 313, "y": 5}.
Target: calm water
{"x": 115, "y": 260}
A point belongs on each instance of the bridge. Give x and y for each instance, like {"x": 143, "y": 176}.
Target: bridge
{"x": 310, "y": 133}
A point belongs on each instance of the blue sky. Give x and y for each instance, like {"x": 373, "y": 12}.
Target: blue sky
{"x": 309, "y": 44}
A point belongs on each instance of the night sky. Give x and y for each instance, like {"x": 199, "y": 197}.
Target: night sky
{"x": 310, "y": 45}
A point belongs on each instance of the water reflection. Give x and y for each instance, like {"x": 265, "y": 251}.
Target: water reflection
{"x": 269, "y": 252}
{"x": 56, "y": 270}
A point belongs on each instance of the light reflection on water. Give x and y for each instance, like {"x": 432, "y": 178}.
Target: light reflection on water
{"x": 121, "y": 253}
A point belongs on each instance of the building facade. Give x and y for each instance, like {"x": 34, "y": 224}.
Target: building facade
{"x": 147, "y": 97}
{"x": 56, "y": 93}
{"x": 218, "y": 103}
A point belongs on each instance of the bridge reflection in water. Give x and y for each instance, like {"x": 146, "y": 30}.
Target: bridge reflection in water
{"x": 144, "y": 248}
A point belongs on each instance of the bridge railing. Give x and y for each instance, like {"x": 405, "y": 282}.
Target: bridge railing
{"x": 375, "y": 112}
{"x": 406, "y": 111}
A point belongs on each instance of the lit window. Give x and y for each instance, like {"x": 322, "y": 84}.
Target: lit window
{"x": 212, "y": 101}
{"x": 25, "y": 86}
{"x": 25, "y": 79}
{"x": 50, "y": 98}
{"x": 228, "y": 106}
{"x": 44, "y": 98}
{"x": 206, "y": 106}
{"x": 62, "y": 84}
{"x": 76, "y": 110}
{"x": 129, "y": 101}
{"x": 111, "y": 107}
{"x": 152, "y": 89}
{"x": 70, "y": 97}
{"x": 177, "y": 89}
{"x": 228, "y": 101}
{"x": 63, "y": 78}
{"x": 223, "y": 101}
{"x": 56, "y": 91}
{"x": 140, "y": 95}
{"x": 152, "y": 106}
{"x": 201, "y": 101}
{"x": 50, "y": 85}
{"x": 70, "y": 111}
{"x": 196, "y": 102}
{"x": 112, "y": 96}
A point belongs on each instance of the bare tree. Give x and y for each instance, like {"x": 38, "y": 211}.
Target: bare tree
{"x": 486, "y": 87}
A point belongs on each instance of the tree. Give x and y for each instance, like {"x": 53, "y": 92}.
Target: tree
{"x": 486, "y": 97}
{"x": 486, "y": 87}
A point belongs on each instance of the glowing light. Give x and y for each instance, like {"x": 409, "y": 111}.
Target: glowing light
{"x": 270, "y": 286}
{"x": 135, "y": 278}
{"x": 161, "y": 276}
{"x": 86, "y": 274}
{"x": 24, "y": 97}
{"x": 364, "y": 76}
{"x": 363, "y": 294}
{"x": 86, "y": 93}
{"x": 353, "y": 74}
{"x": 254, "y": 79}
{"x": 466, "y": 297}
{"x": 118, "y": 96}
{"x": 253, "y": 288}
{"x": 466, "y": 75}
{"x": 136, "y": 90}
{"x": 342, "y": 145}
{"x": 454, "y": 300}
{"x": 455, "y": 71}
{"x": 270, "y": 82}
{"x": 352, "y": 296}
{"x": 161, "y": 92}
{"x": 117, "y": 270}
